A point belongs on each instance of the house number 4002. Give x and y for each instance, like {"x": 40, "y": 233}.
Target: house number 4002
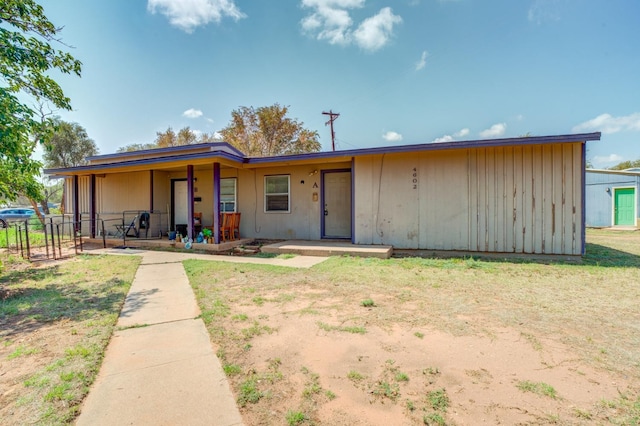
{"x": 414, "y": 178}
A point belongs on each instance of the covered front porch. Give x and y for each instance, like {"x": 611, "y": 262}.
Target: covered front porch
{"x": 150, "y": 194}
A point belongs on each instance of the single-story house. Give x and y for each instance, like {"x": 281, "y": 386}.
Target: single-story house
{"x": 517, "y": 195}
{"x": 612, "y": 198}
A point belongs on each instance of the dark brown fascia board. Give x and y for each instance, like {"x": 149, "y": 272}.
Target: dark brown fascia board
{"x": 145, "y": 162}
{"x": 213, "y": 147}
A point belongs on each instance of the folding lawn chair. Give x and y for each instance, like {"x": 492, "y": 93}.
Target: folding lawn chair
{"x": 131, "y": 227}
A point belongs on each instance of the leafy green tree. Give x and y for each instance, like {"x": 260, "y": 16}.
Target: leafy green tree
{"x": 136, "y": 147}
{"x": 626, "y": 165}
{"x": 169, "y": 138}
{"x": 68, "y": 146}
{"x": 267, "y": 131}
{"x": 26, "y": 56}
{"x": 185, "y": 136}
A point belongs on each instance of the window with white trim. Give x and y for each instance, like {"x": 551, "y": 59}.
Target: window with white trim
{"x": 228, "y": 195}
{"x": 276, "y": 194}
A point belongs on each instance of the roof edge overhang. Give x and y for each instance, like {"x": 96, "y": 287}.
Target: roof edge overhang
{"x": 240, "y": 161}
{"x": 614, "y": 172}
{"x": 433, "y": 146}
{"x": 149, "y": 163}
{"x": 163, "y": 152}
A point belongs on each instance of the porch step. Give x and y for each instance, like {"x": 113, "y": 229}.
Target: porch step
{"x": 328, "y": 248}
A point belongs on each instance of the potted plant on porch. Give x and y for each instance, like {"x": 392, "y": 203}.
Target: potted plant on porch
{"x": 207, "y": 234}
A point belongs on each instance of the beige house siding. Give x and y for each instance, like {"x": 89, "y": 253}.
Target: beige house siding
{"x": 117, "y": 192}
{"x": 161, "y": 195}
{"x": 304, "y": 219}
{"x": 84, "y": 183}
{"x": 520, "y": 199}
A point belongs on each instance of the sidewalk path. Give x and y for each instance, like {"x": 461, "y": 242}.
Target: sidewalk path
{"x": 160, "y": 367}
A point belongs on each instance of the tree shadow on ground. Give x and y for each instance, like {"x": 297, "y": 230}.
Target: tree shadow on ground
{"x": 136, "y": 301}
{"x": 28, "y": 309}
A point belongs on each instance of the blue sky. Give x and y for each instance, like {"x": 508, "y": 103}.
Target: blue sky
{"x": 397, "y": 71}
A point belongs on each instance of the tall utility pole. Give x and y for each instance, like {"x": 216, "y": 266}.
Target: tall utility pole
{"x": 332, "y": 117}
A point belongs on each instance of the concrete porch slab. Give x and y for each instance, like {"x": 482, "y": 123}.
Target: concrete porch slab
{"x": 163, "y": 244}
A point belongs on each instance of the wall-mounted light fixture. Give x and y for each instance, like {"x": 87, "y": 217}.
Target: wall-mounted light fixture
{"x": 608, "y": 190}
{"x": 315, "y": 172}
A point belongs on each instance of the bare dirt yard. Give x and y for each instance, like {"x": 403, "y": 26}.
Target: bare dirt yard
{"x": 410, "y": 341}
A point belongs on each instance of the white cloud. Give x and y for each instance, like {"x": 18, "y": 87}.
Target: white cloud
{"x": 423, "y": 61}
{"x": 192, "y": 113}
{"x": 606, "y": 123}
{"x": 494, "y": 131}
{"x": 392, "y": 136}
{"x": 543, "y": 11}
{"x": 331, "y": 21}
{"x": 451, "y": 138}
{"x": 190, "y": 14}
{"x": 445, "y": 138}
{"x": 375, "y": 32}
{"x": 607, "y": 160}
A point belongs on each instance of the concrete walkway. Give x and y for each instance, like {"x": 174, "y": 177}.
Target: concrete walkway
{"x": 160, "y": 367}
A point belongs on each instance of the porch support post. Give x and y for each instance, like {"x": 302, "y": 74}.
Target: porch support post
{"x": 190, "y": 209}
{"x": 92, "y": 204}
{"x": 216, "y": 203}
{"x": 76, "y": 204}
{"x": 150, "y": 191}
{"x": 583, "y": 208}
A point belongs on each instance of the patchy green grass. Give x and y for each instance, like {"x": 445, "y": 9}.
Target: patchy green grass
{"x": 8, "y": 237}
{"x": 438, "y": 400}
{"x": 249, "y": 393}
{"x": 231, "y": 369}
{"x": 355, "y": 376}
{"x": 67, "y": 312}
{"x": 347, "y": 329}
{"x": 367, "y": 303}
{"x": 295, "y": 417}
{"x": 402, "y": 377}
{"x": 624, "y": 410}
{"x": 434, "y": 419}
{"x": 386, "y": 389}
{"x": 22, "y": 351}
{"x": 539, "y": 388}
